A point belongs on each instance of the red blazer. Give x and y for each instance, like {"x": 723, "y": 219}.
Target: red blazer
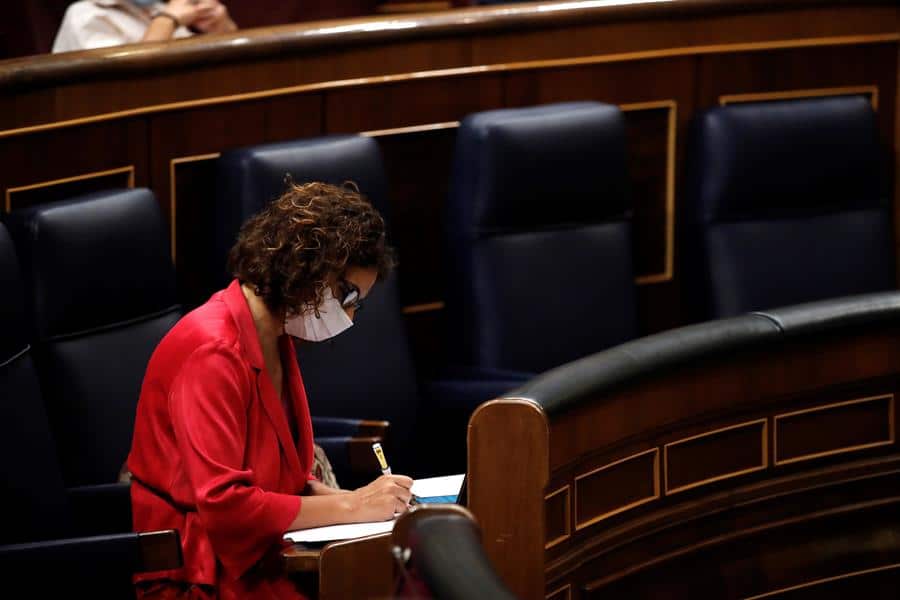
{"x": 212, "y": 454}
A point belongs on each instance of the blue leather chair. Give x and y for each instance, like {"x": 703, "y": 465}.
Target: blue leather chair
{"x": 538, "y": 235}
{"x": 102, "y": 291}
{"x": 366, "y": 372}
{"x": 51, "y": 542}
{"x": 785, "y": 204}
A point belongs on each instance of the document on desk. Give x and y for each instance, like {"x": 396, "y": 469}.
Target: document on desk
{"x": 429, "y": 490}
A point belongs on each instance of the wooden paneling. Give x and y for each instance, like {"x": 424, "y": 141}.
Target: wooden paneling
{"x": 60, "y": 189}
{"x": 184, "y": 146}
{"x": 831, "y": 429}
{"x": 403, "y": 103}
{"x": 616, "y": 487}
{"x": 558, "y": 526}
{"x": 52, "y": 165}
{"x": 715, "y": 455}
{"x": 418, "y": 172}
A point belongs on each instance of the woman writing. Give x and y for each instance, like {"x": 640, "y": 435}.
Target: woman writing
{"x": 223, "y": 443}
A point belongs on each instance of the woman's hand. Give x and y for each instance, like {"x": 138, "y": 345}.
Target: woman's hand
{"x": 381, "y": 499}
{"x": 188, "y": 12}
{"x": 213, "y": 18}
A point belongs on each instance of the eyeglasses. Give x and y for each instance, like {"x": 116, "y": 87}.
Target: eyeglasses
{"x": 350, "y": 295}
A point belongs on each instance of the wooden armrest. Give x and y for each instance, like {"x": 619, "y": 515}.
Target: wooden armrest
{"x": 160, "y": 550}
{"x": 373, "y": 429}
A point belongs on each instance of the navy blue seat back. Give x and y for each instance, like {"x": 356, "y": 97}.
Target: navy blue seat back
{"x": 33, "y": 493}
{"x": 366, "y": 372}
{"x": 785, "y": 204}
{"x": 539, "y": 237}
{"x": 102, "y": 287}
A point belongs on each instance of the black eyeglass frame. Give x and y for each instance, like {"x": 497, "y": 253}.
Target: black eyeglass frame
{"x": 351, "y": 296}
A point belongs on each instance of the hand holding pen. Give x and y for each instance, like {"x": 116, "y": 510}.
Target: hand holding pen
{"x": 385, "y": 467}
{"x": 381, "y": 500}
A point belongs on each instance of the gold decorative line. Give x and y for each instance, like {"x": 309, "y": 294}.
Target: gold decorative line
{"x": 566, "y": 588}
{"x": 411, "y": 129}
{"x": 845, "y": 450}
{"x": 568, "y": 533}
{"x": 462, "y": 71}
{"x": 413, "y": 309}
{"x": 669, "y": 269}
{"x": 94, "y": 175}
{"x": 871, "y": 90}
{"x": 655, "y": 451}
{"x": 173, "y": 202}
{"x": 824, "y": 580}
{"x": 764, "y": 462}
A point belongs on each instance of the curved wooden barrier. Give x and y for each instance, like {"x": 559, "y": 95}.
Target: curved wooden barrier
{"x": 749, "y": 457}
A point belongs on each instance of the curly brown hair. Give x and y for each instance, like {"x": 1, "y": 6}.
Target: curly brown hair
{"x": 305, "y": 240}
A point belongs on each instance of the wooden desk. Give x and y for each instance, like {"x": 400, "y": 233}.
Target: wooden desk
{"x": 361, "y": 568}
{"x": 157, "y": 115}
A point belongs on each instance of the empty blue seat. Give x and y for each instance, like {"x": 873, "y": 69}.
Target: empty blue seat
{"x": 102, "y": 288}
{"x": 52, "y": 539}
{"x": 785, "y": 204}
{"x": 539, "y": 241}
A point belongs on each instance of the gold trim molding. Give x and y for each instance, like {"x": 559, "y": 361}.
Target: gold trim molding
{"x": 173, "y": 201}
{"x": 93, "y": 175}
{"x": 824, "y": 580}
{"x": 669, "y": 259}
{"x": 556, "y": 594}
{"x": 463, "y": 71}
{"x": 655, "y": 451}
{"x": 764, "y": 462}
{"x": 891, "y": 433}
{"x": 414, "y": 309}
{"x": 870, "y": 90}
{"x": 558, "y": 540}
{"x": 411, "y": 129}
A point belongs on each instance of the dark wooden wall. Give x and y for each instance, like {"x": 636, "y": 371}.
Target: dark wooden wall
{"x": 159, "y": 116}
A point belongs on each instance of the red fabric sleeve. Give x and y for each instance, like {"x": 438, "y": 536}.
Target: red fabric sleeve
{"x": 208, "y": 405}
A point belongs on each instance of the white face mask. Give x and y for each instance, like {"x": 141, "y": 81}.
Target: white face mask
{"x": 331, "y": 321}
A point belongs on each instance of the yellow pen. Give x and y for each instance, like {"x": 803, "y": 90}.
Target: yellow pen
{"x": 382, "y": 461}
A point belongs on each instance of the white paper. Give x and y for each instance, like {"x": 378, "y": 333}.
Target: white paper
{"x": 448, "y": 485}
{"x": 347, "y": 531}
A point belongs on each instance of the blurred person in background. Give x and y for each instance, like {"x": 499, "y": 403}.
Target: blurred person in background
{"x": 102, "y": 23}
